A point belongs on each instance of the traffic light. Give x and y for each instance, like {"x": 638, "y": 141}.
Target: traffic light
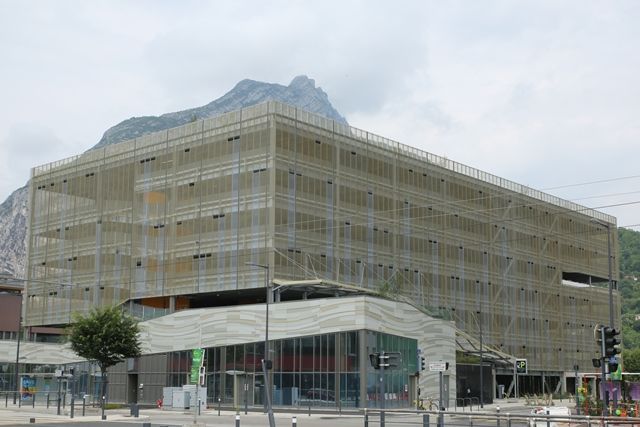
{"x": 423, "y": 364}
{"x": 267, "y": 364}
{"x": 611, "y": 343}
{"x": 201, "y": 376}
{"x": 374, "y": 358}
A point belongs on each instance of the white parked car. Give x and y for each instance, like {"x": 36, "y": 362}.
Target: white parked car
{"x": 554, "y": 411}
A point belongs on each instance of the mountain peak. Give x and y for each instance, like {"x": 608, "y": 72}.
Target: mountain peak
{"x": 301, "y": 92}
{"x": 302, "y": 81}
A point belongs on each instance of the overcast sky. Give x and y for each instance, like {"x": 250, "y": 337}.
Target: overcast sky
{"x": 544, "y": 93}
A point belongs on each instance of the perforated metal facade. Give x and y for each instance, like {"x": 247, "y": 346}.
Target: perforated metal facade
{"x": 170, "y": 217}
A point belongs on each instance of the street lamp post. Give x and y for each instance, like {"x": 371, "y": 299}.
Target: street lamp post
{"x": 15, "y": 392}
{"x": 266, "y": 362}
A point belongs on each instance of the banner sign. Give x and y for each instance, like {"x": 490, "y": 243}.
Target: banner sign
{"x": 197, "y": 360}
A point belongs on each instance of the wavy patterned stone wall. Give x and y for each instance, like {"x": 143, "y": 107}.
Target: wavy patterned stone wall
{"x": 242, "y": 324}
{"x": 37, "y": 353}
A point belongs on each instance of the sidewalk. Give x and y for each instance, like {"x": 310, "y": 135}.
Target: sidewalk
{"x": 12, "y": 414}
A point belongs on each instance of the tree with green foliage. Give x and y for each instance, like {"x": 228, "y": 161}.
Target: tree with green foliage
{"x": 629, "y": 287}
{"x": 106, "y": 335}
{"x": 631, "y": 360}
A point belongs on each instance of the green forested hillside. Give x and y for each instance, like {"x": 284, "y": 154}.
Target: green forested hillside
{"x": 629, "y": 286}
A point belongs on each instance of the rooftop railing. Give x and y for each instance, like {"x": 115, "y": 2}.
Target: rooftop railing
{"x": 234, "y": 118}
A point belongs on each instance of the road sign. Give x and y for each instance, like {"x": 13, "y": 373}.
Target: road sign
{"x": 521, "y": 366}
{"x": 438, "y": 366}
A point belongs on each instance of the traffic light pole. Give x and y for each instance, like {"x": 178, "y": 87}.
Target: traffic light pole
{"x": 605, "y": 410}
{"x": 383, "y": 363}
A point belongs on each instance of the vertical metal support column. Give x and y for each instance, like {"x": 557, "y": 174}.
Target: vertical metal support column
{"x": 383, "y": 361}
{"x": 246, "y": 395}
{"x": 440, "y": 402}
{"x": 272, "y": 421}
{"x": 17, "y": 373}
{"x": 481, "y": 363}
{"x": 59, "y": 388}
{"x": 577, "y": 386}
{"x": 605, "y": 409}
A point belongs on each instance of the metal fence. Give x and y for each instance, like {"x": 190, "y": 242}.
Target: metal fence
{"x": 483, "y": 419}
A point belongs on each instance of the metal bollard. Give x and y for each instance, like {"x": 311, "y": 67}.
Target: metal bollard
{"x": 497, "y": 416}
{"x": 366, "y": 418}
{"x": 470, "y": 422}
{"x": 548, "y": 420}
{"x": 588, "y": 421}
{"x": 72, "y": 406}
{"x": 84, "y": 403}
{"x": 237, "y": 420}
{"x": 508, "y": 420}
{"x": 309, "y": 408}
{"x": 381, "y": 418}
{"x": 219, "y": 403}
{"x": 6, "y": 400}
{"x": 64, "y": 400}
{"x": 47, "y": 400}
{"x": 33, "y": 400}
{"x": 425, "y": 420}
{"x": 294, "y": 422}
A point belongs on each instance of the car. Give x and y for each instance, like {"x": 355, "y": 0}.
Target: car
{"x": 552, "y": 411}
{"x": 320, "y": 394}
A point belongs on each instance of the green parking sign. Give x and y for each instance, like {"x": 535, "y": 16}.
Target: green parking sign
{"x": 521, "y": 366}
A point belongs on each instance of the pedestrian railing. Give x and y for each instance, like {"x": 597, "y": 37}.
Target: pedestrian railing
{"x": 51, "y": 400}
{"x": 376, "y": 417}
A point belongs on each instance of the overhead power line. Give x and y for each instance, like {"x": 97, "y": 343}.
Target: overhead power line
{"x": 579, "y": 184}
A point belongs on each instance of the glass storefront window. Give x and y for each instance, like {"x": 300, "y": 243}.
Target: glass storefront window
{"x": 319, "y": 371}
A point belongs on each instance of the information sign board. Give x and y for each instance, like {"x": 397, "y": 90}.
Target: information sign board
{"x": 438, "y": 366}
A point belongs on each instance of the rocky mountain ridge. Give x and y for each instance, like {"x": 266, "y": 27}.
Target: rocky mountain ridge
{"x": 301, "y": 92}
